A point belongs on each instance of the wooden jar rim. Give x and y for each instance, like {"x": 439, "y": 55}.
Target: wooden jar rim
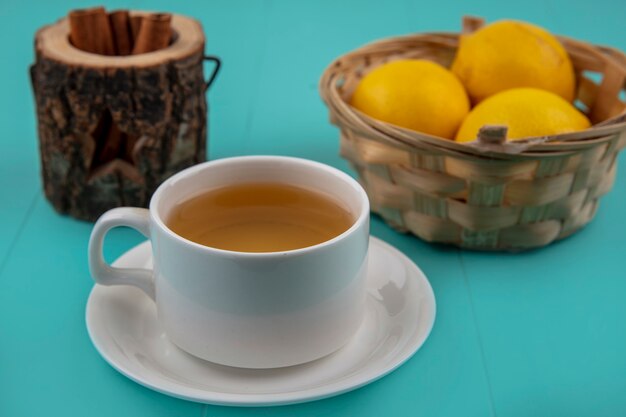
{"x": 53, "y": 43}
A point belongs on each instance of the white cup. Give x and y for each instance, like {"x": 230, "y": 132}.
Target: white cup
{"x": 250, "y": 310}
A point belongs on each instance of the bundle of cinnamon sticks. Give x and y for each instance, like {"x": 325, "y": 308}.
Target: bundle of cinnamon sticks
{"x": 118, "y": 32}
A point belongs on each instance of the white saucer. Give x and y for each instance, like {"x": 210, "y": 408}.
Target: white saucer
{"x": 123, "y": 327}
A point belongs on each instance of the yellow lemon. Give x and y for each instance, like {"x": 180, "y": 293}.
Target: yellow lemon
{"x": 528, "y": 112}
{"x": 509, "y": 54}
{"x": 415, "y": 94}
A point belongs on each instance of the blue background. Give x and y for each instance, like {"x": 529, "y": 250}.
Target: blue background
{"x": 541, "y": 333}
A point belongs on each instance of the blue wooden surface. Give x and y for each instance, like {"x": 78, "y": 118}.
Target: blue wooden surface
{"x": 539, "y": 333}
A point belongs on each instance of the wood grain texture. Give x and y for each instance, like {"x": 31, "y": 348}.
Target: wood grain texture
{"x": 158, "y": 120}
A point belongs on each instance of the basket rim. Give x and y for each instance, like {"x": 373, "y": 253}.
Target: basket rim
{"x": 531, "y": 147}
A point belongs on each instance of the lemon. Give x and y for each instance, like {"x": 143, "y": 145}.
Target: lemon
{"x": 528, "y": 112}
{"x": 509, "y": 54}
{"x": 415, "y": 94}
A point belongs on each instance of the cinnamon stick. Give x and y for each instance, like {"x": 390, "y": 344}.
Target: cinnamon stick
{"x": 90, "y": 31}
{"x": 120, "y": 26}
{"x": 135, "y": 24}
{"x": 154, "y": 33}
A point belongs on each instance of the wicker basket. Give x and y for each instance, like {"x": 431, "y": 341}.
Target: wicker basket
{"x": 488, "y": 194}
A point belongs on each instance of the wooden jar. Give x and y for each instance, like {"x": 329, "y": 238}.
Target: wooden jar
{"x": 112, "y": 128}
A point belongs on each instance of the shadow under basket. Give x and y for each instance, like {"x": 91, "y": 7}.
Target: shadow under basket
{"x": 489, "y": 194}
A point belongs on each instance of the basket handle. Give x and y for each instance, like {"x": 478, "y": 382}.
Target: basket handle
{"x": 472, "y": 23}
{"x": 613, "y": 81}
{"x": 216, "y": 69}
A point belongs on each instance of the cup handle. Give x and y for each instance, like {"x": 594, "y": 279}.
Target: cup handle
{"x": 105, "y": 274}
